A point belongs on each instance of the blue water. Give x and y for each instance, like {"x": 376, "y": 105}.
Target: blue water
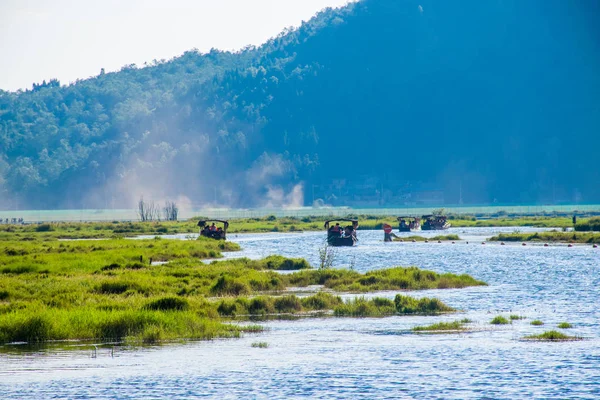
{"x": 370, "y": 357}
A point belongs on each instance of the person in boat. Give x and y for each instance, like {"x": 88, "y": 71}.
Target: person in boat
{"x": 336, "y": 230}
{"x": 402, "y": 223}
{"x": 213, "y": 227}
{"x": 349, "y": 231}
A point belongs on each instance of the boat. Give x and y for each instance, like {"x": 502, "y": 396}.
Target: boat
{"x": 435, "y": 223}
{"x": 409, "y": 224}
{"x": 213, "y": 231}
{"x": 338, "y": 236}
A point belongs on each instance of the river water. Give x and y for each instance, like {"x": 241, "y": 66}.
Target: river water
{"x": 367, "y": 357}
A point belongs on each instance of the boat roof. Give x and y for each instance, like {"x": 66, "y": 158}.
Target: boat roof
{"x": 203, "y": 222}
{"x": 354, "y": 221}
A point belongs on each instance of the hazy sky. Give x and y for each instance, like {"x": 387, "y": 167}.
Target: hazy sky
{"x": 70, "y": 39}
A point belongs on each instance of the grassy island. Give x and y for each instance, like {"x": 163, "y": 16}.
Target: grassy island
{"x": 552, "y": 336}
{"x": 158, "y": 289}
{"x": 549, "y": 237}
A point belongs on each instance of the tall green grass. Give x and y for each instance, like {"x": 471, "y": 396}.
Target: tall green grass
{"x": 553, "y": 236}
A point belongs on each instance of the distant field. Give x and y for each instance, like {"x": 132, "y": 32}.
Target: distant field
{"x": 131, "y": 214}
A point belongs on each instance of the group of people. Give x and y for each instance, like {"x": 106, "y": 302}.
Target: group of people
{"x": 12, "y": 221}
{"x": 338, "y": 231}
{"x": 213, "y": 231}
{"x": 411, "y": 225}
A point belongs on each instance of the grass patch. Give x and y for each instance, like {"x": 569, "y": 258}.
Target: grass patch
{"x": 565, "y": 325}
{"x": 500, "y": 320}
{"x": 441, "y": 326}
{"x": 537, "y": 322}
{"x": 515, "y": 317}
{"x": 552, "y": 336}
{"x": 260, "y": 345}
{"x": 549, "y": 237}
{"x": 108, "y": 290}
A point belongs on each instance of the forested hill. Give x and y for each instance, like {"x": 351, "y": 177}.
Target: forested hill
{"x": 499, "y": 98}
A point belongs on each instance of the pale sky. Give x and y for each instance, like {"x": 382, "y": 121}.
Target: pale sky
{"x": 70, "y": 39}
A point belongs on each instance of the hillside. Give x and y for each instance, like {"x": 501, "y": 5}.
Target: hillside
{"x": 482, "y": 101}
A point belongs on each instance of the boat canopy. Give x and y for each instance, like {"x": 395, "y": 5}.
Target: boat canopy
{"x": 205, "y": 222}
{"x": 399, "y": 218}
{"x": 354, "y": 222}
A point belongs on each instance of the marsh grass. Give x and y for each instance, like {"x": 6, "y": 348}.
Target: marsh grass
{"x": 592, "y": 224}
{"x": 260, "y": 345}
{"x": 551, "y": 237}
{"x": 115, "y": 229}
{"x": 108, "y": 290}
{"x": 398, "y": 278}
{"x": 417, "y": 238}
{"x": 454, "y": 326}
{"x": 500, "y": 320}
{"x": 552, "y": 336}
{"x": 565, "y": 325}
{"x": 515, "y": 317}
{"x": 537, "y": 322}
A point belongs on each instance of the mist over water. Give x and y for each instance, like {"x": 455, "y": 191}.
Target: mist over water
{"x": 369, "y": 357}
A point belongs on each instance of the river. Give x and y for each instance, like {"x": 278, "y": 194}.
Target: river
{"x": 366, "y": 357}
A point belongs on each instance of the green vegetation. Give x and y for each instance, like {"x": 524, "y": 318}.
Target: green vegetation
{"x": 500, "y": 320}
{"x": 109, "y": 230}
{"x": 455, "y": 326}
{"x": 537, "y": 322}
{"x": 109, "y": 290}
{"x": 552, "y": 236}
{"x": 552, "y": 336}
{"x": 514, "y": 317}
{"x": 415, "y": 238}
{"x": 592, "y": 224}
{"x": 398, "y": 278}
{"x": 565, "y": 325}
{"x": 260, "y": 345}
